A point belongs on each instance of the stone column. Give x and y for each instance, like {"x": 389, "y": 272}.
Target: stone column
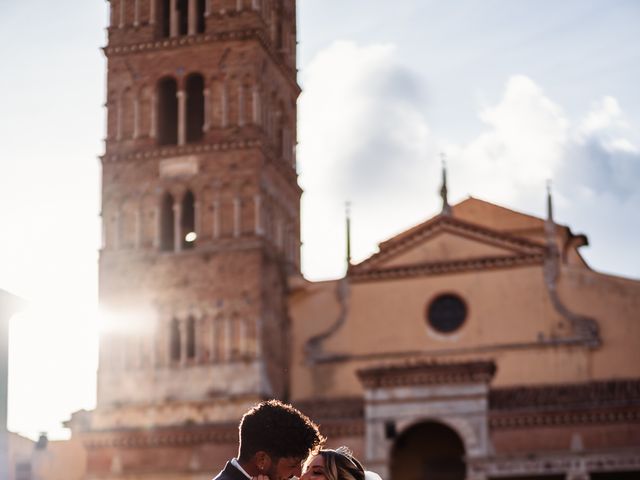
{"x": 136, "y": 115}
{"x": 255, "y": 4}
{"x": 177, "y": 227}
{"x": 256, "y": 106}
{"x": 182, "y": 117}
{"x": 119, "y": 118}
{"x": 237, "y": 216}
{"x": 207, "y": 110}
{"x": 153, "y": 100}
{"x": 216, "y": 219}
{"x": 152, "y": 12}
{"x": 122, "y": 13}
{"x": 224, "y": 106}
{"x": 258, "y": 214}
{"x": 241, "y": 107}
{"x": 173, "y": 19}
{"x": 136, "y": 13}
{"x": 238, "y": 5}
{"x": 138, "y": 226}
{"x": 193, "y": 17}
{"x": 213, "y": 347}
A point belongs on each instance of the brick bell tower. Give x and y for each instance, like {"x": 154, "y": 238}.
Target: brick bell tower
{"x": 200, "y": 212}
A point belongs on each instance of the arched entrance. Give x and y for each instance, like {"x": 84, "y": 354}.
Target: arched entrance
{"x": 428, "y": 451}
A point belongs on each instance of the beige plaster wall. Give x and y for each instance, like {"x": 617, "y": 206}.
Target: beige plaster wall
{"x": 510, "y": 320}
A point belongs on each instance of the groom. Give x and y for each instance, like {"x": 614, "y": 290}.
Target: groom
{"x": 275, "y": 439}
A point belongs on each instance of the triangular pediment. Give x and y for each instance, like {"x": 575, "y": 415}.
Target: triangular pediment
{"x": 446, "y": 239}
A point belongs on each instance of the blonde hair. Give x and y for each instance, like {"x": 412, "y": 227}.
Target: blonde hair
{"x": 340, "y": 464}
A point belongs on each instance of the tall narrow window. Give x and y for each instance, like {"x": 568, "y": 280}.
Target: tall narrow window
{"x": 174, "y": 339}
{"x": 183, "y": 16}
{"x": 167, "y": 111}
{"x": 191, "y": 338}
{"x": 167, "y": 223}
{"x": 200, "y": 22}
{"x": 195, "y": 107}
{"x": 164, "y": 17}
{"x": 188, "y": 221}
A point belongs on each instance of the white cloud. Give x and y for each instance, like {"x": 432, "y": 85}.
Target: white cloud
{"x": 364, "y": 136}
{"x": 521, "y": 148}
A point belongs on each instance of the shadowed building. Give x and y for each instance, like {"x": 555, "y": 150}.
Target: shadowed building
{"x": 475, "y": 345}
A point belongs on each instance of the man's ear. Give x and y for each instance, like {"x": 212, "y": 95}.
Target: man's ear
{"x": 263, "y": 461}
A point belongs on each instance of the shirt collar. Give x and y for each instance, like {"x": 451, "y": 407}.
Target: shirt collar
{"x": 235, "y": 463}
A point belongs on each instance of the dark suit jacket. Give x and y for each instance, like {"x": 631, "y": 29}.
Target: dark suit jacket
{"x": 230, "y": 473}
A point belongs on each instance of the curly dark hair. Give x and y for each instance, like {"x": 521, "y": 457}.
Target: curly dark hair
{"x": 278, "y": 429}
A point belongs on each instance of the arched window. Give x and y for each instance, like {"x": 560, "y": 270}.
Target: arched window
{"x": 191, "y": 338}
{"x": 167, "y": 111}
{"x": 195, "y": 107}
{"x": 167, "y": 223}
{"x": 188, "y": 221}
{"x": 174, "y": 341}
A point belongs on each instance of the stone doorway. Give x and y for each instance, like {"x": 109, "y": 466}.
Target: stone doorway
{"x": 428, "y": 451}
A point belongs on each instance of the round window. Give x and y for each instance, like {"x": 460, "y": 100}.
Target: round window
{"x": 446, "y": 313}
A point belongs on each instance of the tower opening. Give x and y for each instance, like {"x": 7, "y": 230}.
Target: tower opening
{"x": 174, "y": 341}
{"x": 195, "y": 107}
{"x": 428, "y": 451}
{"x": 188, "y": 221}
{"x": 191, "y": 338}
{"x": 200, "y": 12}
{"x": 167, "y": 111}
{"x": 167, "y": 223}
{"x": 164, "y": 17}
{"x": 182, "y": 7}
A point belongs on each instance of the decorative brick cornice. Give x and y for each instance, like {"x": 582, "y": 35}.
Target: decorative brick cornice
{"x": 332, "y": 408}
{"x": 446, "y": 267}
{"x": 427, "y": 373}
{"x": 203, "y": 148}
{"x": 554, "y": 463}
{"x": 624, "y": 392}
{"x": 349, "y": 428}
{"x": 337, "y": 417}
{"x": 176, "y": 151}
{"x": 615, "y": 401}
{"x": 174, "y": 436}
{"x": 500, "y": 420}
{"x": 183, "y": 41}
{"x": 203, "y": 39}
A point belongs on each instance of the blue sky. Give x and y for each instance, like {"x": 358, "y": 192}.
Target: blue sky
{"x": 514, "y": 92}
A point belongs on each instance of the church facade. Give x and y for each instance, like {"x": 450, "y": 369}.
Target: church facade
{"x": 476, "y": 345}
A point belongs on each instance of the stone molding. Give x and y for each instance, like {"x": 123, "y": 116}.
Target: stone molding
{"x": 332, "y": 408}
{"x": 202, "y": 39}
{"x": 446, "y": 267}
{"x": 165, "y": 152}
{"x": 613, "y": 401}
{"x": 597, "y": 393}
{"x": 427, "y": 373}
{"x": 402, "y": 242}
{"x": 561, "y": 463}
{"x": 222, "y": 433}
